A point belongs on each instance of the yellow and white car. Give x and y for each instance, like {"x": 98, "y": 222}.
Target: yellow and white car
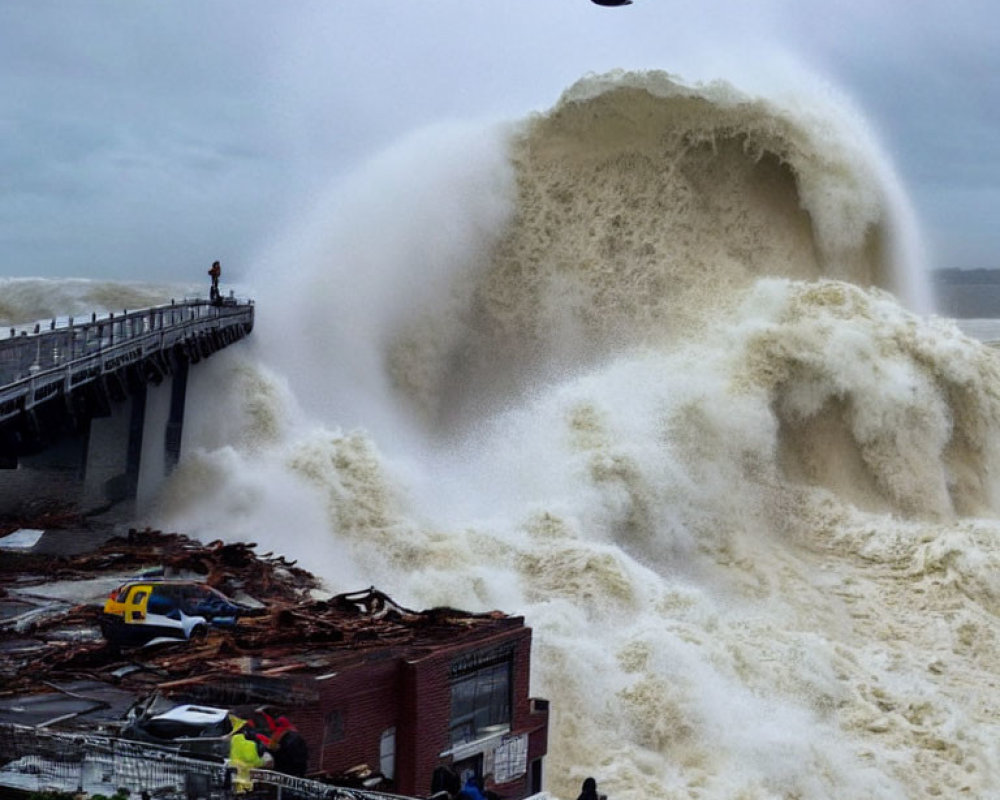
{"x": 140, "y": 611}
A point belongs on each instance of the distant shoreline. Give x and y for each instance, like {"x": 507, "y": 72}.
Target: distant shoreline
{"x": 965, "y": 276}
{"x": 967, "y": 293}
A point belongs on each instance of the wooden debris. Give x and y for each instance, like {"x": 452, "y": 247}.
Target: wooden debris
{"x": 291, "y": 633}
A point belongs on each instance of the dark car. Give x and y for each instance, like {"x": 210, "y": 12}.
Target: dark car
{"x": 191, "y": 729}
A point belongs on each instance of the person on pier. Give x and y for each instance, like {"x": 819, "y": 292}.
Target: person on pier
{"x": 214, "y": 273}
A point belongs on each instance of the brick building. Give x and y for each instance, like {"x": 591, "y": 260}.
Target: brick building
{"x": 401, "y": 693}
{"x": 462, "y": 703}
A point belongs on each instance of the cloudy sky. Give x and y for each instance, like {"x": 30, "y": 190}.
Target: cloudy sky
{"x": 145, "y": 138}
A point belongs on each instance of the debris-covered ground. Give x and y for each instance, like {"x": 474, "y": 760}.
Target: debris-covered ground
{"x": 51, "y": 639}
{"x": 50, "y": 605}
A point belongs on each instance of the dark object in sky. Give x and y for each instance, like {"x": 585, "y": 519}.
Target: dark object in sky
{"x": 612, "y": 2}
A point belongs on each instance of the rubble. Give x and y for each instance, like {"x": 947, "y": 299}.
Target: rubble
{"x": 40, "y": 515}
{"x": 47, "y": 641}
{"x": 43, "y": 636}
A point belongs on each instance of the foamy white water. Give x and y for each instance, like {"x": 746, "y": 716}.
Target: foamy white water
{"x": 30, "y": 300}
{"x": 637, "y": 370}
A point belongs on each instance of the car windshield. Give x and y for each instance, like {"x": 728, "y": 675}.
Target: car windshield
{"x": 205, "y": 601}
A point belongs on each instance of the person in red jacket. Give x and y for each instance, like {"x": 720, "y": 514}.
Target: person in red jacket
{"x": 214, "y": 274}
{"x": 290, "y": 751}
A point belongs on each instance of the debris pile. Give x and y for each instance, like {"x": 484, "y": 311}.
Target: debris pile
{"x": 50, "y": 627}
{"x": 50, "y": 633}
{"x": 35, "y": 514}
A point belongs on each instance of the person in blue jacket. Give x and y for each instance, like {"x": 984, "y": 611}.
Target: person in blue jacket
{"x": 471, "y": 790}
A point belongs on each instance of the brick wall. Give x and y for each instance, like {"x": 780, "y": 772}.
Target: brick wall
{"x": 427, "y": 689}
{"x": 366, "y": 700}
{"x": 414, "y": 697}
{"x": 428, "y": 681}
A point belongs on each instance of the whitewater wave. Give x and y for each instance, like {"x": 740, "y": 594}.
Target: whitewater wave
{"x": 746, "y": 556}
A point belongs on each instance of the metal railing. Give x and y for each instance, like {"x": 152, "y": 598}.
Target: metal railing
{"x": 36, "y": 759}
{"x": 34, "y": 366}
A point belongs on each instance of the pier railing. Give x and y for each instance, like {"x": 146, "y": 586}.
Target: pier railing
{"x": 37, "y": 365}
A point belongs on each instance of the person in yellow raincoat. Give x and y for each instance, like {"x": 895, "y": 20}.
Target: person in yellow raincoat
{"x": 246, "y": 752}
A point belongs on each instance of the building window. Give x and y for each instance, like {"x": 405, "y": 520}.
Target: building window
{"x": 480, "y": 699}
{"x": 387, "y": 753}
{"x": 333, "y": 727}
{"x": 535, "y": 784}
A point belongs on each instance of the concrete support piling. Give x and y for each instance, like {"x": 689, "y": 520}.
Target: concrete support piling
{"x": 175, "y": 422}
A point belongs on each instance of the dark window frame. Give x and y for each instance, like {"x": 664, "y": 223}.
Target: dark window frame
{"x": 482, "y": 695}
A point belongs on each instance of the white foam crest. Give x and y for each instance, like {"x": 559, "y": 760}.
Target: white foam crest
{"x": 847, "y": 180}
{"x": 642, "y": 207}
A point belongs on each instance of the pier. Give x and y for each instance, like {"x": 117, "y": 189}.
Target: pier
{"x": 91, "y": 409}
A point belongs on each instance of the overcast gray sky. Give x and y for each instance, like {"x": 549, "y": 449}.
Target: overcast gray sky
{"x": 142, "y": 139}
